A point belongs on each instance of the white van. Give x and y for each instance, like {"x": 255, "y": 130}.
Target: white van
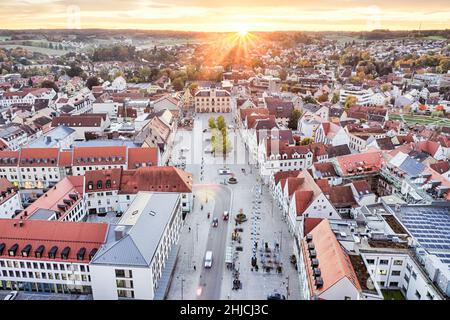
{"x": 208, "y": 259}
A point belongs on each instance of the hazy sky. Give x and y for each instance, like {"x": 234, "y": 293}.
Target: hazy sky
{"x": 226, "y": 15}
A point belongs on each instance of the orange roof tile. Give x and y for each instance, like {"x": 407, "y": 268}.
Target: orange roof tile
{"x": 157, "y": 179}
{"x": 75, "y": 235}
{"x": 334, "y": 262}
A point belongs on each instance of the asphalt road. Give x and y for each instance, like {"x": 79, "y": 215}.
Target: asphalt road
{"x": 211, "y": 279}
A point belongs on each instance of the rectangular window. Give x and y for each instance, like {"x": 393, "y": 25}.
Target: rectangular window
{"x": 393, "y": 284}
{"x": 395, "y": 273}
{"x": 398, "y": 262}
{"x": 418, "y": 295}
{"x": 125, "y": 294}
{"x": 385, "y": 262}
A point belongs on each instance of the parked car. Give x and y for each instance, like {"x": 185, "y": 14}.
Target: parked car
{"x": 12, "y": 295}
{"x": 224, "y": 171}
{"x": 215, "y": 222}
{"x": 276, "y": 296}
{"x": 226, "y": 215}
{"x": 208, "y": 259}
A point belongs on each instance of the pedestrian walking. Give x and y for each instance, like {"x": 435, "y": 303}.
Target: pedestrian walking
{"x": 195, "y": 268}
{"x": 189, "y": 229}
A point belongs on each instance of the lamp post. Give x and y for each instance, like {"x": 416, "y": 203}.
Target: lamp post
{"x": 182, "y": 287}
{"x": 197, "y": 231}
{"x": 287, "y": 288}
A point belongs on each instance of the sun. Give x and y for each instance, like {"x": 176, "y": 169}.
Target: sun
{"x": 243, "y": 31}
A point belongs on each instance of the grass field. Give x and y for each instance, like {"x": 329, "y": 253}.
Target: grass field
{"x": 393, "y": 295}
{"x": 419, "y": 119}
{"x": 343, "y": 39}
{"x": 36, "y": 49}
{"x": 436, "y": 38}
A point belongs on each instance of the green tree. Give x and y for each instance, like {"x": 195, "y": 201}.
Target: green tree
{"x": 283, "y": 74}
{"x": 350, "y": 101}
{"x": 293, "y": 119}
{"x": 323, "y": 98}
{"x": 309, "y": 99}
{"x": 178, "y": 84}
{"x": 306, "y": 141}
{"x": 49, "y": 84}
{"x": 212, "y": 123}
{"x": 335, "y": 98}
{"x": 221, "y": 124}
{"x": 92, "y": 82}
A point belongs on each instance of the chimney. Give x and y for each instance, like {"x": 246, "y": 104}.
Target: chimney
{"x": 119, "y": 232}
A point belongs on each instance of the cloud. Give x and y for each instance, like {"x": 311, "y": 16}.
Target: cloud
{"x": 211, "y": 15}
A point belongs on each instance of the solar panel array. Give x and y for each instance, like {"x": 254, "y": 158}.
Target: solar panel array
{"x": 431, "y": 228}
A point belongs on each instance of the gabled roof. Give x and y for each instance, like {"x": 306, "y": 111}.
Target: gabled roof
{"x": 302, "y": 200}
{"x": 75, "y": 235}
{"x": 385, "y": 143}
{"x": 325, "y": 170}
{"x": 139, "y": 156}
{"x": 440, "y": 166}
{"x": 334, "y": 262}
{"x": 55, "y": 196}
{"x": 360, "y": 163}
{"x": 156, "y": 179}
{"x": 336, "y": 151}
{"x": 341, "y": 196}
{"x": 99, "y": 156}
{"x": 285, "y": 174}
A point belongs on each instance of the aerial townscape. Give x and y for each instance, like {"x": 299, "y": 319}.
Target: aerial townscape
{"x": 248, "y": 165}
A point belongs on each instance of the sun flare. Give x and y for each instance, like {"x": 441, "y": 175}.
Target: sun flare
{"x": 243, "y": 31}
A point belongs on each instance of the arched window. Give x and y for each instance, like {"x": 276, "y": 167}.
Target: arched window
{"x": 99, "y": 184}
{"x": 90, "y": 185}
{"x": 108, "y": 184}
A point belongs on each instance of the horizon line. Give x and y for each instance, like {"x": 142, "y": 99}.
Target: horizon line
{"x": 194, "y": 31}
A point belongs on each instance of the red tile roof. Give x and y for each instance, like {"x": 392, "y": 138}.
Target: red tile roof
{"x": 360, "y": 163}
{"x": 82, "y": 120}
{"x": 9, "y": 158}
{"x": 440, "y": 166}
{"x": 56, "y": 196}
{"x": 429, "y": 147}
{"x": 99, "y": 155}
{"x": 75, "y": 235}
{"x": 113, "y": 175}
{"x": 310, "y": 224}
{"x": 39, "y": 157}
{"x": 284, "y": 175}
{"x": 334, "y": 262}
{"x": 65, "y": 159}
{"x": 302, "y": 200}
{"x": 139, "y": 156}
{"x": 157, "y": 179}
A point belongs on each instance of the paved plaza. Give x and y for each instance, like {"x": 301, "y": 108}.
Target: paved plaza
{"x": 198, "y": 235}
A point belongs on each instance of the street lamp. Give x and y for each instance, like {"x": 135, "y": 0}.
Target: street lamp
{"x": 182, "y": 287}
{"x": 197, "y": 231}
